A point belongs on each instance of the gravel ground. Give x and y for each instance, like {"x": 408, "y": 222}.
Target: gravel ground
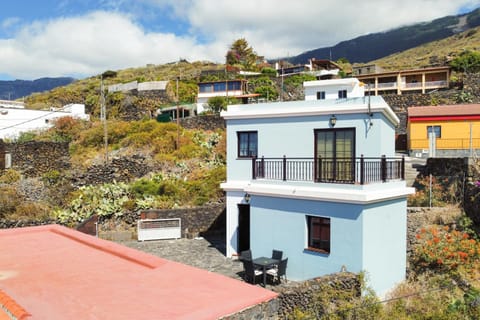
{"x": 198, "y": 252}
{"x": 207, "y": 254}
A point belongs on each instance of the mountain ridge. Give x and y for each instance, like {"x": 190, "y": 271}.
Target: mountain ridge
{"x": 374, "y": 46}
{"x": 15, "y": 89}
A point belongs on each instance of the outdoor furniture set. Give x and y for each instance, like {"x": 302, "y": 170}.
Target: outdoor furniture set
{"x": 273, "y": 267}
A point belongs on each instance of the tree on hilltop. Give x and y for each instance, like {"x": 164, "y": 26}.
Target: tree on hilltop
{"x": 242, "y": 54}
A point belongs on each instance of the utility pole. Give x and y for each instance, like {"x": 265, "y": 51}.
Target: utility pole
{"x": 103, "y": 117}
{"x": 178, "y": 119}
{"x": 103, "y": 109}
{"x": 281, "y": 89}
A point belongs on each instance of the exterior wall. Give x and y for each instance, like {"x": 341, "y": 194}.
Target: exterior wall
{"x": 273, "y": 140}
{"x": 17, "y": 120}
{"x": 289, "y": 234}
{"x": 455, "y": 135}
{"x": 202, "y": 98}
{"x": 278, "y": 209}
{"x": 331, "y": 88}
{"x": 369, "y": 238}
{"x": 384, "y": 244}
{"x": 233, "y": 198}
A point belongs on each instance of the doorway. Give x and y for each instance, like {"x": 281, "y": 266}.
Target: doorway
{"x": 243, "y": 227}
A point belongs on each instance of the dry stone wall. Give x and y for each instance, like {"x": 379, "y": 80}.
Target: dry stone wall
{"x": 302, "y": 296}
{"x": 198, "y": 221}
{"x": 120, "y": 169}
{"x": 38, "y": 157}
{"x": 471, "y": 85}
{"x": 203, "y": 122}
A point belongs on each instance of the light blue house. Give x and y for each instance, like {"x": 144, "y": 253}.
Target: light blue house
{"x": 318, "y": 180}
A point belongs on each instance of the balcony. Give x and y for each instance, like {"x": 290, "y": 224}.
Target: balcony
{"x": 436, "y": 84}
{"x": 387, "y": 85}
{"x": 363, "y": 170}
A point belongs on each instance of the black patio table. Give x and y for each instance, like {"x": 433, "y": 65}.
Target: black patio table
{"x": 265, "y": 263}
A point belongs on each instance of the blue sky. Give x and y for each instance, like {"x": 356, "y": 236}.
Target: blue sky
{"x": 85, "y": 37}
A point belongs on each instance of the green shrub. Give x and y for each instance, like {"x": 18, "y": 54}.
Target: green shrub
{"x": 10, "y": 176}
{"x": 103, "y": 200}
{"x": 32, "y": 211}
{"x": 444, "y": 249}
{"x": 51, "y": 177}
{"x": 270, "y": 72}
{"x": 146, "y": 187}
{"x": 298, "y": 79}
{"x": 9, "y": 200}
{"x": 26, "y": 136}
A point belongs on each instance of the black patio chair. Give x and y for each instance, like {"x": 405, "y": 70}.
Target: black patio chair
{"x": 278, "y": 273}
{"x": 246, "y": 255}
{"x": 277, "y": 254}
{"x": 249, "y": 272}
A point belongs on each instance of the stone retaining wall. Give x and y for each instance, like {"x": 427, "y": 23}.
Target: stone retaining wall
{"x": 303, "y": 295}
{"x": 267, "y": 310}
{"x": 198, "y": 221}
{"x": 203, "y": 122}
{"x": 471, "y": 85}
{"x": 121, "y": 169}
{"x": 35, "y": 158}
{"x": 448, "y": 166}
{"x": 9, "y": 224}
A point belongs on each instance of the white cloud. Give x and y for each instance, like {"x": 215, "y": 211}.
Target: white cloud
{"x": 10, "y": 22}
{"x": 278, "y": 28}
{"x": 91, "y": 43}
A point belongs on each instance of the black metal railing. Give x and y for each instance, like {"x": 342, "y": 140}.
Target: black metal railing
{"x": 362, "y": 170}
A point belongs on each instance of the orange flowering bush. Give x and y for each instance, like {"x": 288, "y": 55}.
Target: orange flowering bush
{"x": 443, "y": 248}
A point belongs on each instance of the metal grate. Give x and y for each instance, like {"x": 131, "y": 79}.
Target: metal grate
{"x": 157, "y": 229}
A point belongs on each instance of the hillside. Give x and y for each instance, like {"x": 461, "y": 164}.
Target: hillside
{"x": 377, "y": 45}
{"x": 11, "y": 90}
{"x": 88, "y": 90}
{"x": 432, "y": 53}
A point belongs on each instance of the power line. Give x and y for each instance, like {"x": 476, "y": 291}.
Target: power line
{"x": 30, "y": 120}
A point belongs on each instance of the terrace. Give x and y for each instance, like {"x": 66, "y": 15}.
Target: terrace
{"x": 362, "y": 170}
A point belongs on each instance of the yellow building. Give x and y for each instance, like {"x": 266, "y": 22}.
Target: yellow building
{"x": 444, "y": 131}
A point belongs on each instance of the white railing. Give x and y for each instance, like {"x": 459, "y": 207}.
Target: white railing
{"x": 411, "y": 85}
{"x": 387, "y": 85}
{"x": 441, "y": 83}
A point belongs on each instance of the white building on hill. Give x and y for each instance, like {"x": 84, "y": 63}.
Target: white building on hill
{"x": 333, "y": 89}
{"x": 16, "y": 119}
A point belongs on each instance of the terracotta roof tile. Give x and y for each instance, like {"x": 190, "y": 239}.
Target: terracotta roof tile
{"x": 12, "y": 307}
{"x": 444, "y": 110}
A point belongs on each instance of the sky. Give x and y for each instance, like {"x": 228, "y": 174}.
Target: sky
{"x": 82, "y": 38}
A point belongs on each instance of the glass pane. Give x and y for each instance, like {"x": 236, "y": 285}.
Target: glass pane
{"x": 243, "y": 147}
{"x": 219, "y": 87}
{"x": 252, "y": 144}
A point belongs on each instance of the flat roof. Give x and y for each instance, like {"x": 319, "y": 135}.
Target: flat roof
{"x": 53, "y": 272}
{"x": 303, "y": 108}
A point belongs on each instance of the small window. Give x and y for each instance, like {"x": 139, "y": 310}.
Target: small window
{"x": 318, "y": 234}
{"x": 247, "y": 144}
{"x": 437, "y": 130}
{"x": 342, "y": 94}
{"x": 321, "y": 95}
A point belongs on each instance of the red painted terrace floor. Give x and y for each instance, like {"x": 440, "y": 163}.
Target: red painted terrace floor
{"x": 52, "y": 272}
